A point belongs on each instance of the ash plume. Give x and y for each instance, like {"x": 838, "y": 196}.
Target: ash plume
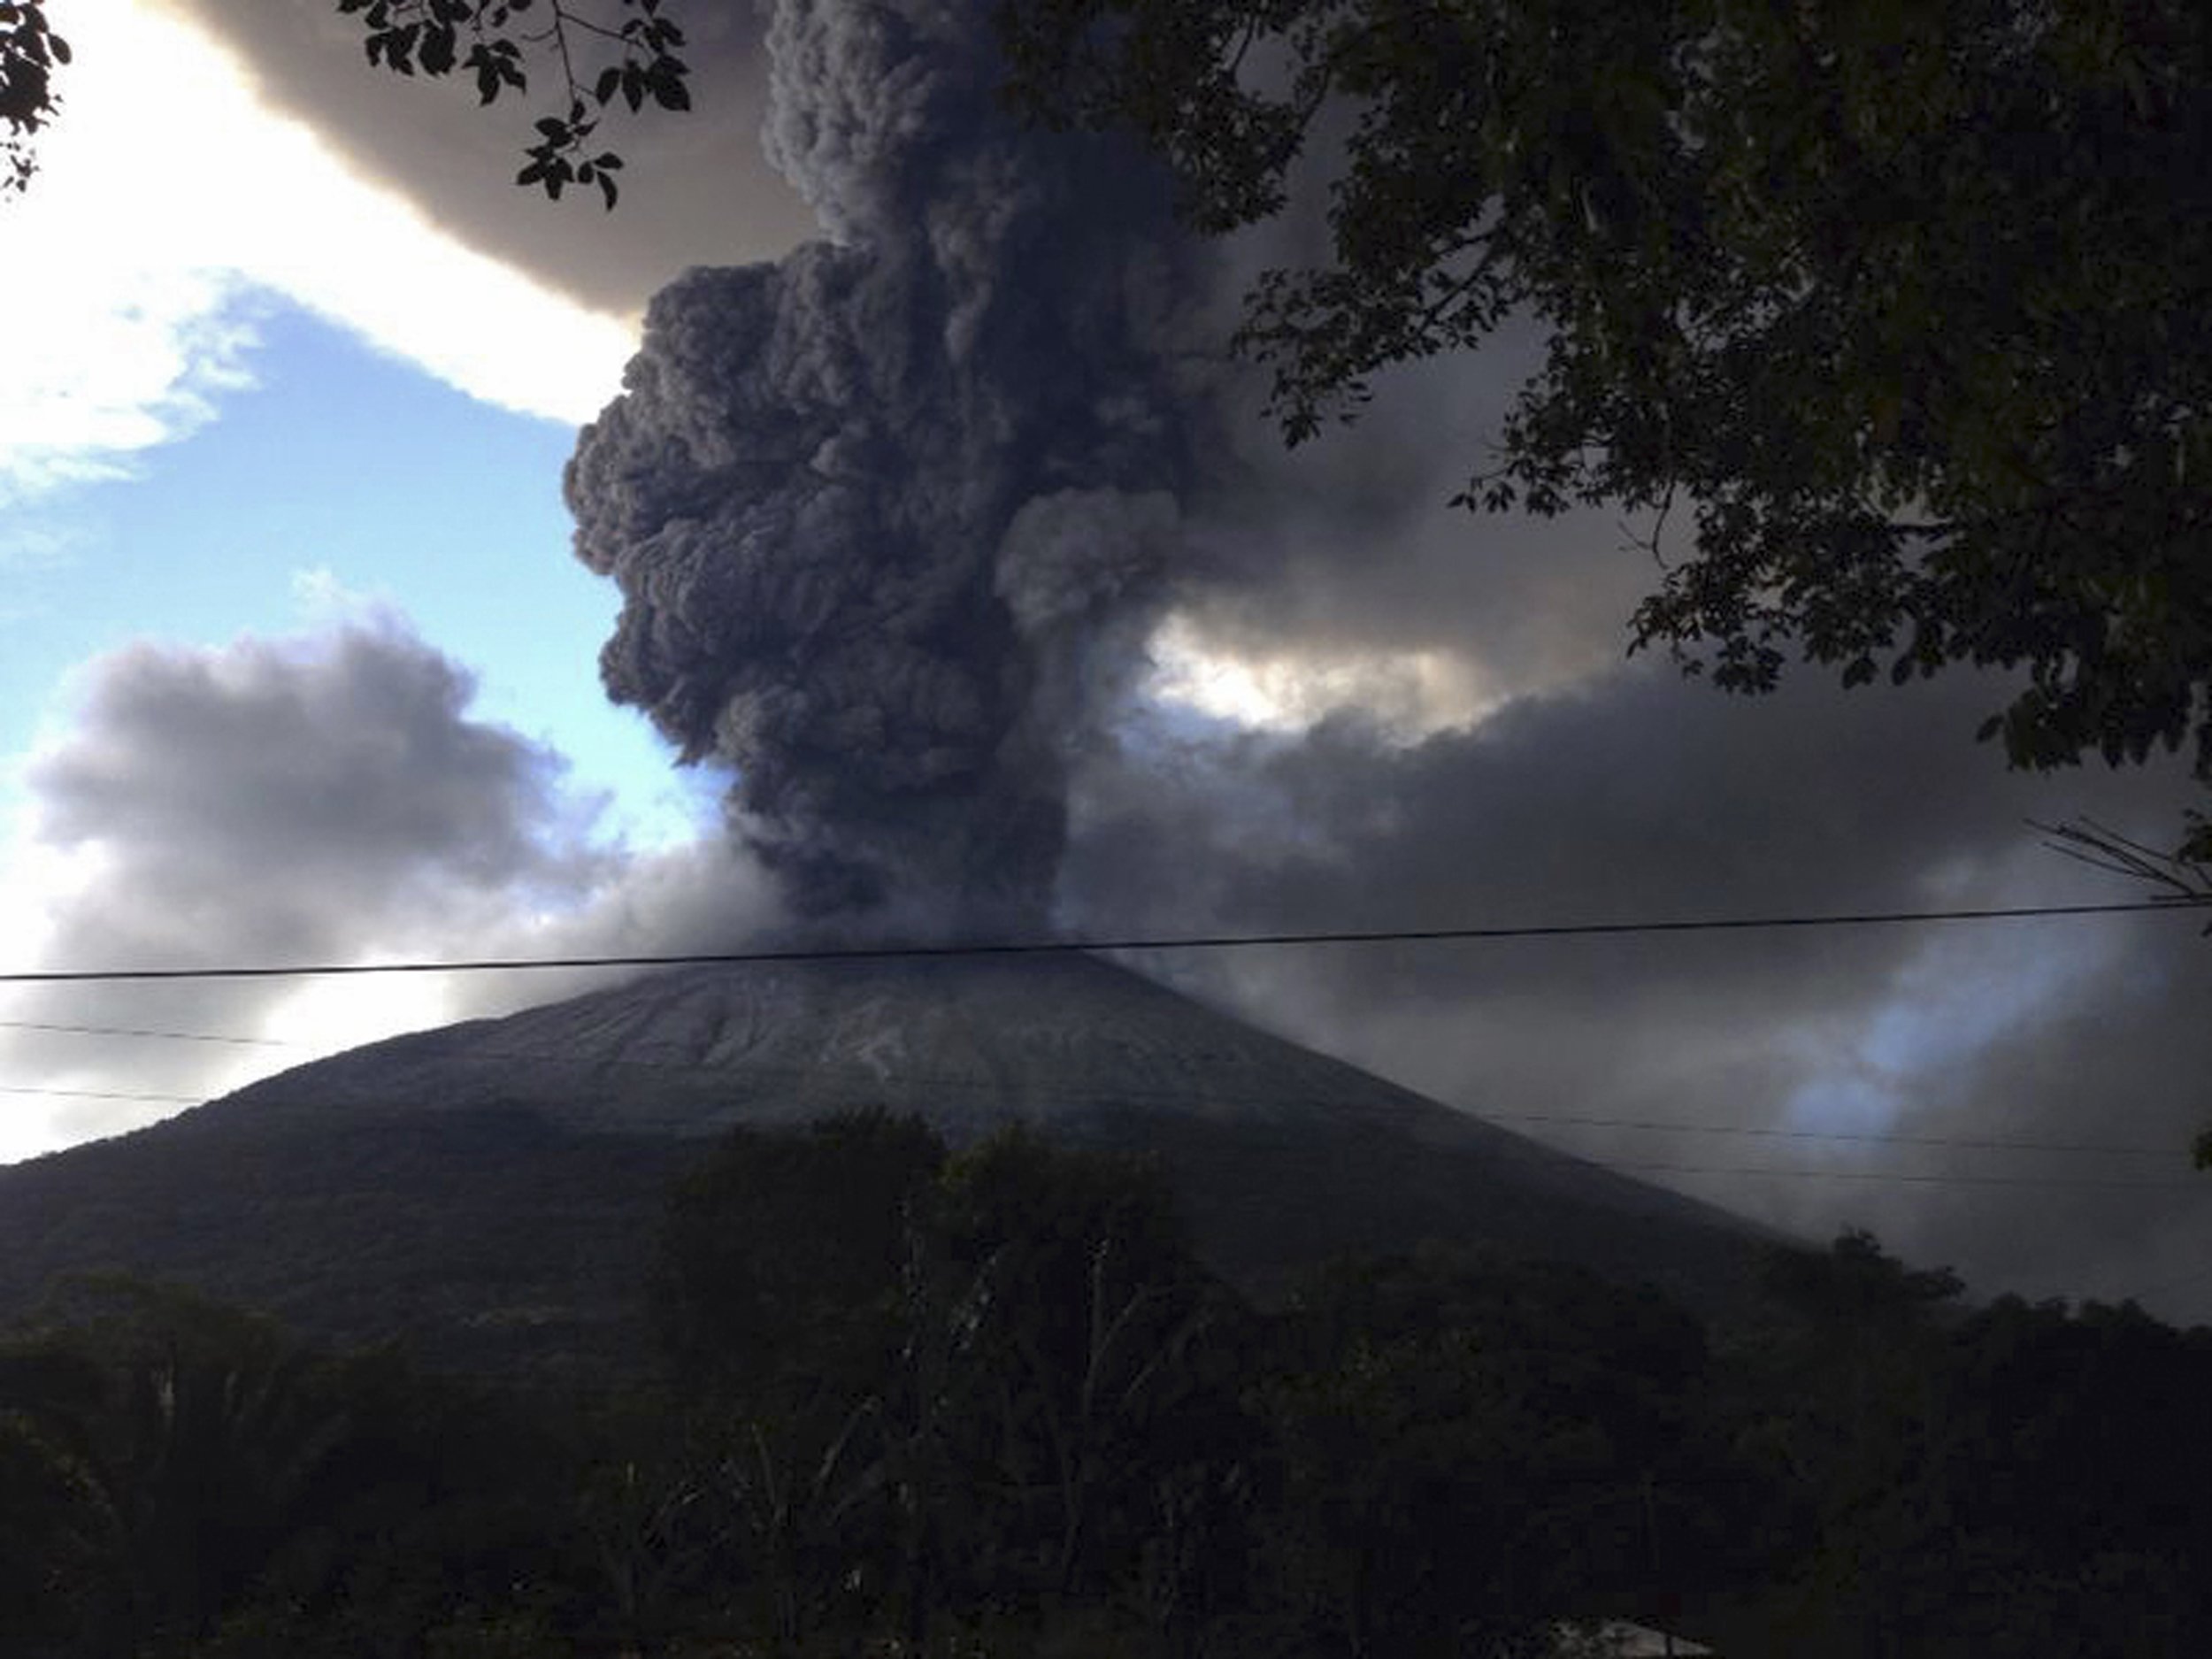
{"x": 891, "y": 516}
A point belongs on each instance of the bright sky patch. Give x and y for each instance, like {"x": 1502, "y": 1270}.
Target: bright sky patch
{"x": 169, "y": 203}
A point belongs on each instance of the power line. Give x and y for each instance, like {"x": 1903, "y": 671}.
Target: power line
{"x": 1077, "y": 947}
{"x": 939, "y": 1083}
{"x": 1223, "y": 941}
{"x": 135, "y": 1030}
{"x": 1932, "y": 1179}
{"x": 1765, "y": 1172}
{"x": 1869, "y": 1137}
{"x": 103, "y": 1094}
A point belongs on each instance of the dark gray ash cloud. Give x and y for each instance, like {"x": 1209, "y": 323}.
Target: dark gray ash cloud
{"x": 1636, "y": 795}
{"x": 891, "y": 517}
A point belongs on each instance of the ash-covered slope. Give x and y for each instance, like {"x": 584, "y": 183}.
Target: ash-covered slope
{"x": 491, "y": 1187}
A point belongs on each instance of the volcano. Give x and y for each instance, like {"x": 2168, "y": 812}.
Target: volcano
{"x": 489, "y": 1190}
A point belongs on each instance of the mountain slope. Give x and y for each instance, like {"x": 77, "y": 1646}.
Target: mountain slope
{"x": 491, "y": 1187}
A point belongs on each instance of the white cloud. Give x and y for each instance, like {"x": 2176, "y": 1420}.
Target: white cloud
{"x": 171, "y": 204}
{"x": 327, "y": 797}
{"x": 323, "y": 598}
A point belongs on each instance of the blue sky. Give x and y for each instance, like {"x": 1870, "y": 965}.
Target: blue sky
{"x": 342, "y": 476}
{"x": 268, "y": 404}
{"x": 267, "y": 379}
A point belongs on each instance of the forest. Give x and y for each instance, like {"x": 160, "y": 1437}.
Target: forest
{"x": 907, "y": 1399}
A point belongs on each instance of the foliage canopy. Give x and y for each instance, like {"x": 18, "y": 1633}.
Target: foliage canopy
{"x": 604, "y": 52}
{"x": 1902, "y": 303}
{"x": 1072, "y": 1443}
{"x": 29, "y": 53}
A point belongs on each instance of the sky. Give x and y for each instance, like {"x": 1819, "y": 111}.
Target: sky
{"x": 956, "y": 555}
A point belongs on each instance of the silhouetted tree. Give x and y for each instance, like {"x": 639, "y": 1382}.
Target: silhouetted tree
{"x": 1901, "y": 303}
{"x": 199, "y": 1440}
{"x": 29, "y": 53}
{"x": 2006, "y": 1481}
{"x": 949, "y": 1384}
{"x": 1471, "y": 1451}
{"x": 50, "y": 1539}
{"x": 605, "y": 55}
{"x": 782, "y": 1293}
{"x": 1081, "y": 1311}
{"x": 190, "y": 1481}
{"x": 2065, "y": 1473}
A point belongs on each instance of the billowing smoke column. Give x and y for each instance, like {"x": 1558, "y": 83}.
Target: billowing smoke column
{"x": 889, "y": 515}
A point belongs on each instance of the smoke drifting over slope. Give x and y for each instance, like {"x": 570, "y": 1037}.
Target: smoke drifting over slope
{"x": 891, "y": 515}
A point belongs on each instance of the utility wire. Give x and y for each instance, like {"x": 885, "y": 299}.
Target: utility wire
{"x": 1624, "y": 1166}
{"x": 134, "y": 1031}
{"x": 1868, "y": 1137}
{"x": 863, "y": 1079}
{"x": 1794, "y": 1172}
{"x": 1077, "y": 947}
{"x": 1202, "y": 942}
{"x": 103, "y": 1094}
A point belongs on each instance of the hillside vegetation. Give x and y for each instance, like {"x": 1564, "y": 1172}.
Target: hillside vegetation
{"x": 902, "y": 1398}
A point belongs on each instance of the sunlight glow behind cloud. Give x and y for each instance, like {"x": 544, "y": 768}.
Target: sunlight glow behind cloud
{"x": 1408, "y": 695}
{"x": 170, "y": 204}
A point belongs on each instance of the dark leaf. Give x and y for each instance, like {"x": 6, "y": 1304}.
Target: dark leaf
{"x": 669, "y": 92}
{"x": 438, "y": 47}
